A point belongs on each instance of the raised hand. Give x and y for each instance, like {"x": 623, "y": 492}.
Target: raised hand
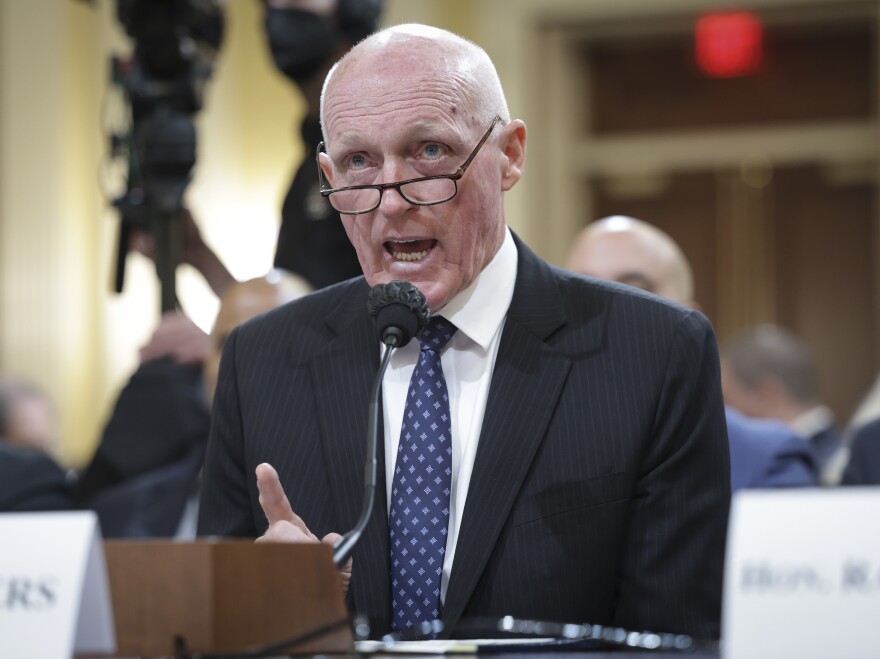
{"x": 284, "y": 524}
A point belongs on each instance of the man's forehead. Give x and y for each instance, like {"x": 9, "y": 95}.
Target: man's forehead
{"x": 380, "y": 66}
{"x": 615, "y": 255}
{"x": 400, "y": 130}
{"x": 399, "y": 64}
{"x": 400, "y": 117}
{"x": 389, "y": 86}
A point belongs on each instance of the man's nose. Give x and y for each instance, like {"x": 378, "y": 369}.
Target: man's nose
{"x": 392, "y": 200}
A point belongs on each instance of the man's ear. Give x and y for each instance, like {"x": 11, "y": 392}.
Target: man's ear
{"x": 326, "y": 168}
{"x": 513, "y": 147}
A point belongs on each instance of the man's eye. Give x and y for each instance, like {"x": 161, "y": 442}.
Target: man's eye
{"x": 434, "y": 151}
{"x": 356, "y": 161}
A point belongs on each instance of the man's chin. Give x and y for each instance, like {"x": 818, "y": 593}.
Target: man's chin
{"x": 436, "y": 294}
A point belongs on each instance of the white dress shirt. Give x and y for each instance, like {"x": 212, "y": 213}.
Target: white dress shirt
{"x": 468, "y": 361}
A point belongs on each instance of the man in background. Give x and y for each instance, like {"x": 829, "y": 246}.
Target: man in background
{"x": 863, "y": 465}
{"x": 305, "y": 38}
{"x": 30, "y": 479}
{"x": 629, "y": 251}
{"x": 27, "y": 416}
{"x": 767, "y": 373}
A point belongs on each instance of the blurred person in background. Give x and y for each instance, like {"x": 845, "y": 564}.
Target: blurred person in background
{"x": 143, "y": 478}
{"x": 863, "y": 464}
{"x": 868, "y": 409}
{"x": 30, "y": 480}
{"x": 27, "y": 416}
{"x": 629, "y": 251}
{"x": 767, "y": 372}
{"x": 306, "y": 37}
{"x": 860, "y": 458}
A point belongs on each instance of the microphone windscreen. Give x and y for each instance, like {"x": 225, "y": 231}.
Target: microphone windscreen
{"x": 398, "y": 307}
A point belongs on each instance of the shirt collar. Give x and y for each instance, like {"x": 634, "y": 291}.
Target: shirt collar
{"x": 479, "y": 310}
{"x": 813, "y": 421}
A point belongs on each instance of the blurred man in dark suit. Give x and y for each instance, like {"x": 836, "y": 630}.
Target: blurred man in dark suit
{"x": 863, "y": 467}
{"x": 305, "y": 38}
{"x": 587, "y": 476}
{"x": 768, "y": 373}
{"x": 763, "y": 453}
{"x": 27, "y": 416}
{"x": 30, "y": 481}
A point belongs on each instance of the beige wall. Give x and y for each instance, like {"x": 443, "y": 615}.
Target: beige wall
{"x": 50, "y": 329}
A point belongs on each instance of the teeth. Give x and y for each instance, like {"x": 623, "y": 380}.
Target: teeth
{"x": 410, "y": 256}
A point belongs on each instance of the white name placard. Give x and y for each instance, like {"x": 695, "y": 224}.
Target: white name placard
{"x": 802, "y": 575}
{"x": 54, "y": 595}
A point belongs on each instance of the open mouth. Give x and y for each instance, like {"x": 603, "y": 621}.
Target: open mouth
{"x": 409, "y": 250}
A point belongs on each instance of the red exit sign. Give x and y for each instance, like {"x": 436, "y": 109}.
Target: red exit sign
{"x": 729, "y": 45}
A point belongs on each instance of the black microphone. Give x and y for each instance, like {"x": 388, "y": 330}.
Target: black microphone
{"x": 400, "y": 311}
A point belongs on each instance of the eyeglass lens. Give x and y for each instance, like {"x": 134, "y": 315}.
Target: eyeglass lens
{"x": 432, "y": 191}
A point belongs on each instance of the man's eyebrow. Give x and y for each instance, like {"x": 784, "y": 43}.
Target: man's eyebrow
{"x": 421, "y": 126}
{"x": 416, "y": 130}
{"x": 439, "y": 131}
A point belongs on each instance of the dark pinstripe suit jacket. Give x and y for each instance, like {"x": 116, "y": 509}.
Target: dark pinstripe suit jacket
{"x": 601, "y": 483}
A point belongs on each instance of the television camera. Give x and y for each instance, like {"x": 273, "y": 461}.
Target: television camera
{"x": 163, "y": 83}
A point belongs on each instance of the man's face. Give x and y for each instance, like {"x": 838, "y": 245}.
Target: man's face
{"x": 397, "y": 118}
{"x": 32, "y": 424}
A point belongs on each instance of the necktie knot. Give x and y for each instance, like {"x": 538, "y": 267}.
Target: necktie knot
{"x": 436, "y": 334}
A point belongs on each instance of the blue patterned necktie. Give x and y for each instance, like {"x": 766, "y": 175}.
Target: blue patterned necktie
{"x": 419, "y": 518}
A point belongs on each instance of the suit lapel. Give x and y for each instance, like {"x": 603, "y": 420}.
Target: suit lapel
{"x": 527, "y": 381}
{"x": 343, "y": 374}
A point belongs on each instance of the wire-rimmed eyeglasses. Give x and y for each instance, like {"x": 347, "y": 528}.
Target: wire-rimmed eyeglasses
{"x": 422, "y": 191}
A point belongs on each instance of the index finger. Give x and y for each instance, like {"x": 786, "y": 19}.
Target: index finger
{"x": 273, "y": 500}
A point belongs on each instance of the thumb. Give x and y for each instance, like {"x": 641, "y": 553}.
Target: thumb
{"x": 345, "y": 570}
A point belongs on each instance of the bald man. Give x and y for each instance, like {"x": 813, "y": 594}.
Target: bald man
{"x": 570, "y": 467}
{"x": 633, "y": 252}
{"x": 626, "y": 250}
